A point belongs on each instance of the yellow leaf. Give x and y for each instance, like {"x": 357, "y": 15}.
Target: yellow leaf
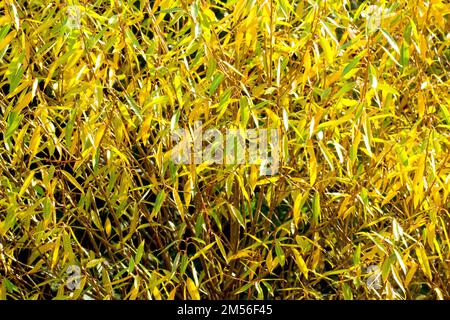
{"x": 172, "y": 294}
{"x": 26, "y": 183}
{"x": 72, "y": 180}
{"x": 179, "y": 204}
{"x": 240, "y": 254}
{"x": 271, "y": 263}
{"x": 108, "y": 227}
{"x": 6, "y": 19}
{"x": 439, "y": 294}
{"x": 326, "y": 50}
{"x": 120, "y": 154}
{"x": 316, "y": 259}
{"x": 267, "y": 180}
{"x": 125, "y": 114}
{"x": 420, "y": 104}
{"x": 307, "y": 65}
{"x": 192, "y": 289}
{"x": 94, "y": 263}
{"x": 35, "y": 141}
{"x": 99, "y": 135}
{"x": 221, "y": 248}
{"x": 144, "y": 133}
{"x": 51, "y": 70}
{"x": 423, "y": 261}
{"x": 55, "y": 253}
{"x": 253, "y": 177}
{"x": 312, "y": 163}
{"x": 188, "y": 187}
{"x": 3, "y": 290}
{"x": 241, "y": 184}
{"x": 106, "y": 281}
{"x": 24, "y": 101}
{"x": 300, "y": 263}
{"x": 74, "y": 58}
{"x": 7, "y": 39}
{"x": 202, "y": 251}
{"x": 410, "y": 275}
{"x": 299, "y": 201}
{"x": 156, "y": 294}
{"x": 133, "y": 293}
{"x": 418, "y": 181}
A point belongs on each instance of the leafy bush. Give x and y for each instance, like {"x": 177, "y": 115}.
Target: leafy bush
{"x": 91, "y": 93}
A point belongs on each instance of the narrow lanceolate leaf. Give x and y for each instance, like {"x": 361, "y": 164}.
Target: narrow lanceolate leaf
{"x": 158, "y": 203}
{"x": 99, "y": 135}
{"x": 390, "y": 40}
{"x": 15, "y": 71}
{"x": 297, "y": 209}
{"x": 446, "y": 111}
{"x": 423, "y": 261}
{"x": 13, "y": 121}
{"x": 351, "y": 65}
{"x": 316, "y": 207}
{"x": 404, "y": 55}
{"x": 280, "y": 254}
{"x": 203, "y": 251}
{"x": 139, "y": 252}
{"x": 285, "y": 119}
{"x": 327, "y": 50}
{"x": 35, "y": 141}
{"x": 26, "y": 183}
{"x": 55, "y": 253}
{"x": 300, "y": 263}
{"x": 5, "y": 41}
{"x": 192, "y": 289}
{"x": 218, "y": 77}
{"x": 347, "y": 290}
{"x": 312, "y": 163}
{"x": 237, "y": 215}
{"x": 133, "y": 105}
{"x": 179, "y": 204}
{"x": 72, "y": 180}
{"x": 108, "y": 227}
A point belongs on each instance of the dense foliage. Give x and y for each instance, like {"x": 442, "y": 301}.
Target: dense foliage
{"x": 90, "y": 92}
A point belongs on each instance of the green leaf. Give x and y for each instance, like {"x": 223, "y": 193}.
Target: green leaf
{"x": 131, "y": 266}
{"x": 211, "y": 68}
{"x": 390, "y": 40}
{"x": 446, "y": 112}
{"x": 357, "y": 255}
{"x": 386, "y": 267}
{"x": 316, "y": 207}
{"x": 280, "y": 254}
{"x": 140, "y": 252}
{"x": 13, "y": 122}
{"x": 15, "y": 71}
{"x": 158, "y": 203}
{"x": 237, "y": 214}
{"x": 404, "y": 56}
{"x": 69, "y": 128}
{"x": 347, "y": 290}
{"x": 134, "y": 106}
{"x": 349, "y": 67}
{"x": 215, "y": 83}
